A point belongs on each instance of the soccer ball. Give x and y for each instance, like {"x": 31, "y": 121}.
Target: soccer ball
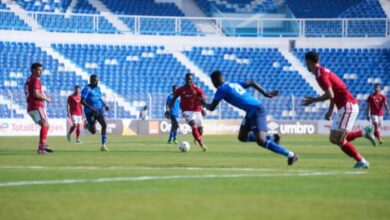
{"x": 184, "y": 146}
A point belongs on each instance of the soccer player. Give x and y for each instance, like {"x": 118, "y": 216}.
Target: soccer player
{"x": 173, "y": 114}
{"x": 375, "y": 104}
{"x": 94, "y": 109}
{"x": 348, "y": 109}
{"x": 35, "y": 104}
{"x": 191, "y": 106}
{"x": 75, "y": 113}
{"x": 254, "y": 125}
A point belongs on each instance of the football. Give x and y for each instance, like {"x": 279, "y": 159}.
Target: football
{"x": 184, "y": 146}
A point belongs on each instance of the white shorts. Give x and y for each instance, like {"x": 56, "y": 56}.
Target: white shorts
{"x": 193, "y": 116}
{"x": 38, "y": 115}
{"x": 346, "y": 117}
{"x": 377, "y": 119}
{"x": 77, "y": 119}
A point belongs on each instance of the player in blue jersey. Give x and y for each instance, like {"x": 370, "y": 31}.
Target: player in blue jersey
{"x": 173, "y": 114}
{"x": 94, "y": 109}
{"x": 255, "y": 119}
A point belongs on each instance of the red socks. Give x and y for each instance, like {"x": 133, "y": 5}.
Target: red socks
{"x": 351, "y": 151}
{"x": 71, "y": 129}
{"x": 377, "y": 133}
{"x": 77, "y": 131}
{"x": 197, "y": 136}
{"x": 352, "y": 135}
{"x": 43, "y": 135}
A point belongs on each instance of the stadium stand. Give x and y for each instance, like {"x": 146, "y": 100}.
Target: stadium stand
{"x": 10, "y": 21}
{"x": 237, "y": 6}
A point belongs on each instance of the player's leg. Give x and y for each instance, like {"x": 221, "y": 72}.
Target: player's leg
{"x": 342, "y": 124}
{"x": 91, "y": 122}
{"x": 376, "y": 122}
{"x": 190, "y": 119}
{"x": 39, "y": 117}
{"x": 344, "y": 118}
{"x": 260, "y": 131}
{"x": 72, "y": 128}
{"x": 175, "y": 126}
{"x": 102, "y": 121}
{"x": 77, "y": 122}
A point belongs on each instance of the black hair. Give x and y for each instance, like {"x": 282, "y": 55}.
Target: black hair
{"x": 216, "y": 75}
{"x": 174, "y": 86}
{"x": 376, "y": 85}
{"x": 35, "y": 66}
{"x": 312, "y": 56}
{"x": 76, "y": 86}
{"x": 188, "y": 74}
{"x": 93, "y": 76}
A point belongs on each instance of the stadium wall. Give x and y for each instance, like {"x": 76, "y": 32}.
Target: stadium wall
{"x": 128, "y": 127}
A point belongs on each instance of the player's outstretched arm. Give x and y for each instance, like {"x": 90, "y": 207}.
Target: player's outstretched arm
{"x": 329, "y": 94}
{"x": 259, "y": 88}
{"x": 387, "y": 106}
{"x": 210, "y": 106}
{"x": 105, "y": 106}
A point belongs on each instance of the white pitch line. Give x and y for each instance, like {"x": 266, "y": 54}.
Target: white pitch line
{"x": 174, "y": 177}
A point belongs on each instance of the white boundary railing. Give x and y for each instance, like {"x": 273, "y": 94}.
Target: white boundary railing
{"x": 192, "y": 26}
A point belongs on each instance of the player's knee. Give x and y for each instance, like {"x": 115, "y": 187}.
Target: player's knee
{"x": 261, "y": 142}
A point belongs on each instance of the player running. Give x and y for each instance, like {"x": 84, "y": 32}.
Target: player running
{"x": 255, "y": 119}
{"x": 191, "y": 106}
{"x": 35, "y": 99}
{"x": 348, "y": 109}
{"x": 75, "y": 113}
{"x": 375, "y": 104}
{"x": 94, "y": 109}
{"x": 173, "y": 114}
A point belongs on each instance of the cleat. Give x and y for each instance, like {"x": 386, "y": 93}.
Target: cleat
{"x": 380, "y": 141}
{"x": 169, "y": 142}
{"x": 68, "y": 137}
{"x": 104, "y": 148}
{"x": 175, "y": 142}
{"x": 78, "y": 142}
{"x": 292, "y": 160}
{"x": 361, "y": 165}
{"x": 48, "y": 150}
{"x": 204, "y": 148}
{"x": 41, "y": 150}
{"x": 370, "y": 135}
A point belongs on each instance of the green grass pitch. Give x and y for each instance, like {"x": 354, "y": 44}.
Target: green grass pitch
{"x": 144, "y": 178}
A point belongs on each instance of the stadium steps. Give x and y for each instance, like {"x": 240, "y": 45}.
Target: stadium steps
{"x": 200, "y": 74}
{"x": 302, "y": 70}
{"x": 386, "y": 7}
{"x": 85, "y": 76}
{"x": 22, "y": 14}
{"x": 69, "y": 10}
{"x": 18, "y": 109}
{"x": 112, "y": 18}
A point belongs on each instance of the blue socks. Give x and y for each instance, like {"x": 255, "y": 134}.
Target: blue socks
{"x": 104, "y": 139}
{"x": 172, "y": 135}
{"x": 272, "y": 146}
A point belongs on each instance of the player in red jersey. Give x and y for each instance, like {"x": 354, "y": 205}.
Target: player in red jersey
{"x": 348, "y": 109}
{"x": 375, "y": 103}
{"x": 191, "y": 106}
{"x": 35, "y": 99}
{"x": 75, "y": 113}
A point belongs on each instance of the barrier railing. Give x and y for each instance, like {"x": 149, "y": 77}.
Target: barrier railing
{"x": 201, "y": 26}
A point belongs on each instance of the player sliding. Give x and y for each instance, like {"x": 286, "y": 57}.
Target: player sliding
{"x": 94, "y": 109}
{"x": 173, "y": 114}
{"x": 375, "y": 104}
{"x": 255, "y": 119}
{"x": 75, "y": 113}
{"x": 191, "y": 106}
{"x": 35, "y": 99}
{"x": 348, "y": 109}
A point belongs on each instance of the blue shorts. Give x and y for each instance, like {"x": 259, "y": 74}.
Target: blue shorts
{"x": 174, "y": 121}
{"x": 255, "y": 121}
{"x": 91, "y": 119}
